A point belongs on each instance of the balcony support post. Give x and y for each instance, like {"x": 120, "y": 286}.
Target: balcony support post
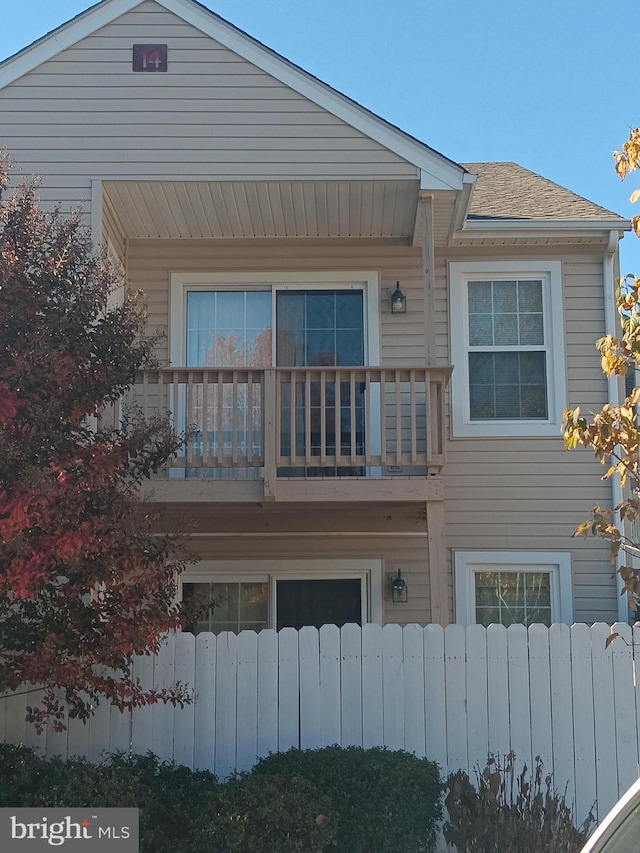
{"x": 428, "y": 276}
{"x": 438, "y": 571}
{"x": 271, "y": 405}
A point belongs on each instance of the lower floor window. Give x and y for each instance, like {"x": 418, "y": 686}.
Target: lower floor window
{"x": 512, "y": 598}
{"x": 513, "y": 587}
{"x": 283, "y": 594}
{"x": 229, "y": 606}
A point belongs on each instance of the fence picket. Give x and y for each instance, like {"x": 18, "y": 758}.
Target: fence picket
{"x": 456, "y": 693}
{"x": 247, "y": 722}
{"x": 435, "y": 708}
{"x": 267, "y": 692}
{"x": 519, "y": 697}
{"x": 184, "y": 718}
{"x": 583, "y": 722}
{"x": 226, "y": 705}
{"x": 392, "y": 687}
{"x": 477, "y": 699}
{"x": 288, "y": 690}
{"x": 205, "y": 702}
{"x": 603, "y": 718}
{"x": 161, "y": 712}
{"x": 351, "y": 684}
{"x": 413, "y": 657}
{"x": 141, "y": 723}
{"x": 540, "y": 692}
{"x": 310, "y": 722}
{"x": 562, "y": 742}
{"x": 498, "y": 691}
{"x": 626, "y": 726}
{"x": 372, "y": 711}
{"x": 330, "y": 684}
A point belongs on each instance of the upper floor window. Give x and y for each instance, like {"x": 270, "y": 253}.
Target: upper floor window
{"x": 507, "y": 348}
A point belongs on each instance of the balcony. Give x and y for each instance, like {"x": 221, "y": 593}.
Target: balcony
{"x": 300, "y": 434}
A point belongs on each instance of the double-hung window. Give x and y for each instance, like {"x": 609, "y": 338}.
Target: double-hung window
{"x": 507, "y": 348}
{"x": 513, "y": 587}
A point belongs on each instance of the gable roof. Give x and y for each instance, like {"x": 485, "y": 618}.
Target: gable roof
{"x": 434, "y": 170}
{"x": 509, "y": 191}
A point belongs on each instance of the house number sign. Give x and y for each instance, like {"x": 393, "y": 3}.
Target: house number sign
{"x": 150, "y": 57}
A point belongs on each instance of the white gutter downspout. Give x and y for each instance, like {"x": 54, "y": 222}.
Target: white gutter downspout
{"x": 613, "y": 395}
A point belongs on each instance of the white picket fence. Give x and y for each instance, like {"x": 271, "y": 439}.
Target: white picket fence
{"x": 454, "y": 695}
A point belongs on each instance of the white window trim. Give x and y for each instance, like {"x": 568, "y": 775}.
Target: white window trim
{"x": 551, "y": 274}
{"x": 181, "y": 283}
{"x": 368, "y": 571}
{"x": 556, "y": 563}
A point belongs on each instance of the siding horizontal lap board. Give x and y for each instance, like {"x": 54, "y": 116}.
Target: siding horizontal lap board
{"x": 134, "y": 125}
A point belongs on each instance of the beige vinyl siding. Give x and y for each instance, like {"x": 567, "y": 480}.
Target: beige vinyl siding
{"x": 500, "y": 494}
{"x": 150, "y": 263}
{"x": 396, "y": 535}
{"x": 527, "y": 494}
{"x": 213, "y": 115}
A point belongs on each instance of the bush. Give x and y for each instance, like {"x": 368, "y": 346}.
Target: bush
{"x": 509, "y": 813}
{"x": 287, "y": 815}
{"x": 23, "y": 776}
{"x": 170, "y": 798}
{"x": 381, "y": 801}
{"x": 341, "y": 800}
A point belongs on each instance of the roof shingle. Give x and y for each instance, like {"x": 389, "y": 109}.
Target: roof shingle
{"x": 508, "y": 191}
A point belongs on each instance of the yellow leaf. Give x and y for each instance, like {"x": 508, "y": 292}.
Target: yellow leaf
{"x": 635, "y": 195}
{"x": 610, "y": 639}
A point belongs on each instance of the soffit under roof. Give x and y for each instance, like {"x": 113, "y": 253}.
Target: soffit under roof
{"x": 229, "y": 209}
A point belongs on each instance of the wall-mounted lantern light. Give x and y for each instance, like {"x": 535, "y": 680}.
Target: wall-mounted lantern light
{"x": 398, "y": 587}
{"x": 398, "y": 301}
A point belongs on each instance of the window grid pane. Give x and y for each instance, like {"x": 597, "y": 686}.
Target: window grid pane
{"x": 505, "y": 313}
{"x": 238, "y": 606}
{"x": 229, "y": 328}
{"x": 510, "y": 598}
{"x": 507, "y": 385}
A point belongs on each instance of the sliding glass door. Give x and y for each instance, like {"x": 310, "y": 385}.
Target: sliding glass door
{"x": 321, "y": 328}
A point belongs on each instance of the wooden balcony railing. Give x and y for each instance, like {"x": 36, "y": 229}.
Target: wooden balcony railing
{"x": 301, "y": 422}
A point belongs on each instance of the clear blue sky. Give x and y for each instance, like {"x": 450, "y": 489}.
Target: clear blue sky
{"x": 549, "y": 84}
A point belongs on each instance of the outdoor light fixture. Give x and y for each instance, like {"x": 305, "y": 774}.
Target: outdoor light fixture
{"x": 398, "y": 588}
{"x": 398, "y": 301}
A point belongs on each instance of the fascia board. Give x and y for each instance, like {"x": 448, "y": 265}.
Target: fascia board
{"x": 443, "y": 173}
{"x": 462, "y": 203}
{"x": 60, "y": 39}
{"x": 536, "y": 226}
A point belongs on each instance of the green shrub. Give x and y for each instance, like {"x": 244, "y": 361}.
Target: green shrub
{"x": 382, "y": 801}
{"x": 340, "y": 800}
{"x": 509, "y": 813}
{"x": 170, "y": 798}
{"x": 23, "y": 776}
{"x": 285, "y": 815}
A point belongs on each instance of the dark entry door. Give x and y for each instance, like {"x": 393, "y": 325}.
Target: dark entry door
{"x": 318, "y": 602}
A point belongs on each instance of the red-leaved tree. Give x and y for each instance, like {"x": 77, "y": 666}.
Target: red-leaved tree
{"x": 85, "y": 584}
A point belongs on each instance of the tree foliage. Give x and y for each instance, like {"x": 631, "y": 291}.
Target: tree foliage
{"x": 85, "y": 584}
{"x": 614, "y": 432}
